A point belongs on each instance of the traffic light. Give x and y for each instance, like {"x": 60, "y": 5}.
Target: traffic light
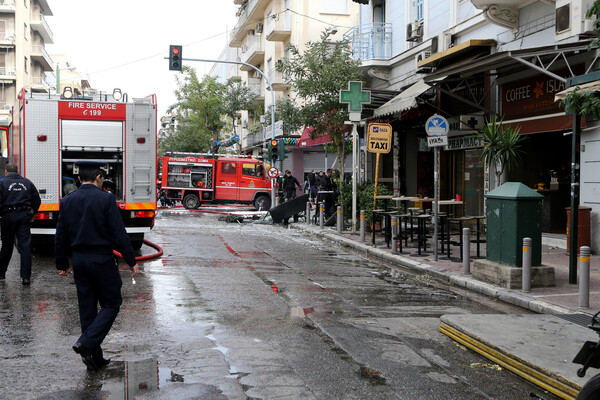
{"x": 274, "y": 151}
{"x": 175, "y": 63}
{"x": 282, "y": 154}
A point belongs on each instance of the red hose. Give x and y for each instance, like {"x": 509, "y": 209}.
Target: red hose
{"x": 146, "y": 257}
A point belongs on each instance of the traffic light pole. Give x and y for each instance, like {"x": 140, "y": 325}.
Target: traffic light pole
{"x": 272, "y": 98}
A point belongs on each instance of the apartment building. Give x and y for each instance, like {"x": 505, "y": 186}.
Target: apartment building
{"x": 24, "y": 62}
{"x": 467, "y": 60}
{"x": 263, "y": 31}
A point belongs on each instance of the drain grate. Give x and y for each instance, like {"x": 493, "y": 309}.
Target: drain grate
{"x": 578, "y": 318}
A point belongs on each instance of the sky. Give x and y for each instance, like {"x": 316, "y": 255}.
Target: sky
{"x": 122, "y": 43}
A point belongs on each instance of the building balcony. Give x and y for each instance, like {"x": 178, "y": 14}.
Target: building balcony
{"x": 253, "y": 52}
{"x": 249, "y": 11}
{"x": 256, "y": 88}
{"x": 277, "y": 81}
{"x": 8, "y": 73}
{"x": 7, "y": 6}
{"x": 278, "y": 27}
{"x": 40, "y": 85}
{"x": 370, "y": 41}
{"x": 39, "y": 24}
{"x": 39, "y": 54}
{"x": 8, "y": 39}
{"x": 238, "y": 2}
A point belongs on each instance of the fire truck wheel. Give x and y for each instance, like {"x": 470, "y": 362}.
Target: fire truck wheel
{"x": 137, "y": 240}
{"x": 191, "y": 201}
{"x": 262, "y": 203}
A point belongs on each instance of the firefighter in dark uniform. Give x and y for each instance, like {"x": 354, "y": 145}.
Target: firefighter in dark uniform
{"x": 90, "y": 224}
{"x": 19, "y": 201}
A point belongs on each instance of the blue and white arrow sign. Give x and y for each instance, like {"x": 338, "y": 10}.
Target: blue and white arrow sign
{"x": 437, "y": 125}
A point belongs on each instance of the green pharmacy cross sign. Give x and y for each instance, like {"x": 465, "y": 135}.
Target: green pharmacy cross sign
{"x": 355, "y": 97}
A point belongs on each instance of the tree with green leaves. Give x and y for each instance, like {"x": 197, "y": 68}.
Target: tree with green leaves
{"x": 206, "y": 108}
{"x": 501, "y": 149}
{"x": 316, "y": 77}
{"x": 586, "y": 103}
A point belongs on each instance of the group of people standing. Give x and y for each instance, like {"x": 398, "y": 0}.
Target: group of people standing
{"x": 320, "y": 187}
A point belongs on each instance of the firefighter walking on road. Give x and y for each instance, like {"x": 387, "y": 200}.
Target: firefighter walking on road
{"x": 90, "y": 224}
{"x": 289, "y": 186}
{"x": 19, "y": 201}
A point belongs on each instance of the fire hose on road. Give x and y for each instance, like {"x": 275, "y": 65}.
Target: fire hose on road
{"x": 148, "y": 256}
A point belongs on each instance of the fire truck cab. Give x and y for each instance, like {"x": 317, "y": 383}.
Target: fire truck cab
{"x": 194, "y": 179}
{"x": 50, "y": 133}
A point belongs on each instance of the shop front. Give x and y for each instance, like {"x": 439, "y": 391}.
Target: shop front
{"x": 528, "y": 104}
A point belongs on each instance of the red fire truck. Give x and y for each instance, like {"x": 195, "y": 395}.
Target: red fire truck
{"x": 195, "y": 178}
{"x": 49, "y": 133}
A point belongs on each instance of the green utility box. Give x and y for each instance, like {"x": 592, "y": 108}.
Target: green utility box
{"x": 514, "y": 212}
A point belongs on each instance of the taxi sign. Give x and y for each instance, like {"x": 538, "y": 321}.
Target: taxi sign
{"x": 379, "y": 138}
{"x": 272, "y": 172}
{"x": 437, "y": 125}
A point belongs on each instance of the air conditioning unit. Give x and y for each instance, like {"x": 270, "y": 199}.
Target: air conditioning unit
{"x": 440, "y": 43}
{"x": 414, "y": 31}
{"x": 259, "y": 28}
{"x": 571, "y": 20}
{"x": 422, "y": 55}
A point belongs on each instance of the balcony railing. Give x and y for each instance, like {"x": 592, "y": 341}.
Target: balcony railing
{"x": 40, "y": 19}
{"x": 40, "y": 81}
{"x": 370, "y": 41}
{"x": 243, "y": 14}
{"x": 8, "y": 37}
{"x": 278, "y": 27}
{"x": 38, "y": 50}
{"x": 8, "y": 71}
{"x": 259, "y": 138}
{"x": 277, "y": 81}
{"x": 255, "y": 86}
{"x": 7, "y": 5}
{"x": 250, "y": 48}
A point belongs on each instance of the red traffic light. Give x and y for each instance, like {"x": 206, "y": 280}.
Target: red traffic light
{"x": 274, "y": 143}
{"x": 175, "y": 50}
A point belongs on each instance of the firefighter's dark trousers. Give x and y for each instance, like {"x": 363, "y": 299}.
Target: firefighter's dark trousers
{"x": 98, "y": 282}
{"x": 16, "y": 224}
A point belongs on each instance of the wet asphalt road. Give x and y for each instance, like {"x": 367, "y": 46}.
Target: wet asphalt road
{"x": 248, "y": 312}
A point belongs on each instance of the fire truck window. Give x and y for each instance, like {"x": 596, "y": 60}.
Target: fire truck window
{"x": 249, "y": 169}
{"x": 228, "y": 168}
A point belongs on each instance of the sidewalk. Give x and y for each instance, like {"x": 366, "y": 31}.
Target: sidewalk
{"x": 537, "y": 347}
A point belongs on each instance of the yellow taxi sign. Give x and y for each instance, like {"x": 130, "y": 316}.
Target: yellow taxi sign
{"x": 379, "y": 138}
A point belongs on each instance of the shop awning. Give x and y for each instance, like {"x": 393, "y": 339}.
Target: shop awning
{"x": 458, "y": 52}
{"x": 584, "y": 88}
{"x": 535, "y": 58}
{"x": 404, "y": 101}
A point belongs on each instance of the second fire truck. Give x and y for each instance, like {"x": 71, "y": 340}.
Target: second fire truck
{"x": 194, "y": 179}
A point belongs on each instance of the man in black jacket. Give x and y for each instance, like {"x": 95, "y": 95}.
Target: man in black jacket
{"x": 289, "y": 186}
{"x": 19, "y": 201}
{"x": 328, "y": 185}
{"x": 90, "y": 224}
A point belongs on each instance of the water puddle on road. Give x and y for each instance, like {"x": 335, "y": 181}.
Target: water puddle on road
{"x": 132, "y": 379}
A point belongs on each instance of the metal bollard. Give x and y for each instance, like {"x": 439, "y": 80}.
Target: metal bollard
{"x": 321, "y": 215}
{"x": 395, "y": 234}
{"x": 466, "y": 250}
{"x": 362, "y": 225}
{"x": 307, "y": 215}
{"x": 584, "y": 277}
{"x": 339, "y": 218}
{"x": 526, "y": 272}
